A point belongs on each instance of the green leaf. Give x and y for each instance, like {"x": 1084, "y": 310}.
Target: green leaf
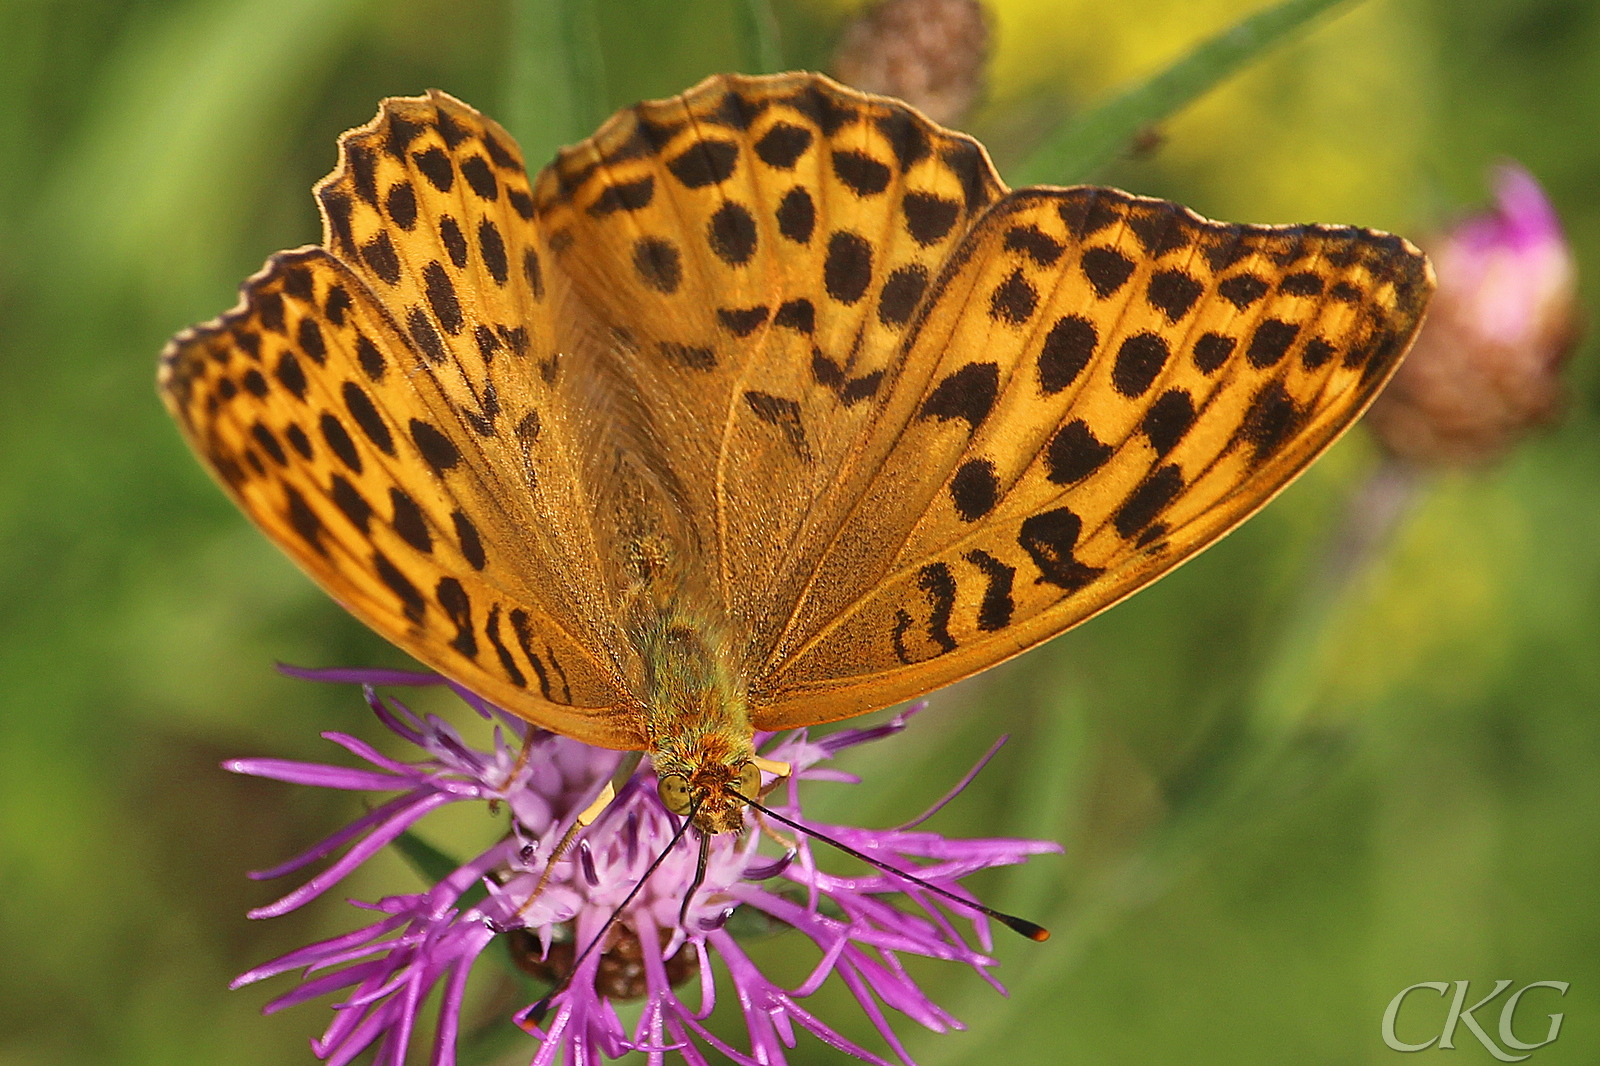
{"x": 556, "y": 77}
{"x": 757, "y": 27}
{"x": 1083, "y": 145}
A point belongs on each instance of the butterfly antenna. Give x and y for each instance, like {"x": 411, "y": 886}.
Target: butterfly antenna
{"x": 1028, "y": 929}
{"x": 699, "y": 878}
{"x": 538, "y": 1011}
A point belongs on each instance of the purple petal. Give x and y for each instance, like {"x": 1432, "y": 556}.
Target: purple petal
{"x": 320, "y": 775}
{"x": 960, "y": 785}
{"x": 361, "y": 675}
{"x": 360, "y": 853}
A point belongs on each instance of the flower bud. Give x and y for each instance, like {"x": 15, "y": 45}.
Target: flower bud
{"x": 1485, "y": 367}
{"x": 929, "y": 53}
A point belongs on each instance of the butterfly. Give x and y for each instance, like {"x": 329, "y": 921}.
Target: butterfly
{"x": 766, "y": 406}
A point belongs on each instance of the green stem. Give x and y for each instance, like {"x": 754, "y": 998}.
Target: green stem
{"x": 1079, "y": 148}
{"x": 757, "y": 27}
{"x": 556, "y": 82}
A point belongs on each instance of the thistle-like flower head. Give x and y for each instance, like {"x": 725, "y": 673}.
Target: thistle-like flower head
{"x": 547, "y": 914}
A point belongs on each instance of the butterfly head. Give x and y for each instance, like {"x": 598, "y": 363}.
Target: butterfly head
{"x": 713, "y": 793}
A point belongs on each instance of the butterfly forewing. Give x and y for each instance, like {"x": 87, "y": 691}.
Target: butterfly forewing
{"x": 392, "y": 417}
{"x": 1099, "y": 386}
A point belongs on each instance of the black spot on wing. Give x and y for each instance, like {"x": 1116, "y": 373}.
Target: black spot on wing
{"x": 442, "y": 297}
{"x": 482, "y": 180}
{"x": 905, "y": 135}
{"x": 304, "y": 520}
{"x": 269, "y": 444}
{"x": 491, "y": 629}
{"x": 928, "y": 217}
{"x": 438, "y": 450}
{"x": 695, "y": 357}
{"x": 1074, "y": 453}
{"x": 1242, "y": 290}
{"x": 411, "y": 600}
{"x": 732, "y": 233}
{"x": 339, "y": 442}
{"x": 627, "y": 196}
{"x": 426, "y": 337}
{"x": 1139, "y": 361}
{"x": 1049, "y": 538}
{"x": 1173, "y": 293}
{"x": 902, "y": 291}
{"x": 783, "y": 145}
{"x": 1302, "y": 283}
{"x": 975, "y": 489}
{"x": 401, "y": 203}
{"x": 782, "y": 413}
{"x": 493, "y": 249}
{"x": 337, "y": 304}
{"x": 1014, "y": 300}
{"x": 860, "y": 173}
{"x": 705, "y": 163}
{"x": 797, "y": 215}
{"x": 1212, "y": 350}
{"x": 1148, "y": 500}
{"x": 1066, "y": 351}
{"x": 436, "y": 167}
{"x": 658, "y": 264}
{"x": 1168, "y": 419}
{"x": 290, "y": 374}
{"x": 798, "y": 315}
{"x": 1270, "y": 421}
{"x": 370, "y": 358}
{"x": 471, "y": 543}
{"x": 309, "y": 334}
{"x": 847, "y": 270}
{"x": 1033, "y": 242}
{"x": 1271, "y": 342}
{"x": 1086, "y": 212}
{"x": 742, "y": 321}
{"x": 455, "y": 242}
{"x": 997, "y": 606}
{"x": 409, "y": 521}
{"x": 1318, "y": 350}
{"x": 379, "y": 254}
{"x": 367, "y": 417}
{"x": 936, "y": 581}
{"x": 1107, "y": 270}
{"x": 968, "y": 394}
{"x": 351, "y": 503}
{"x": 458, "y": 608}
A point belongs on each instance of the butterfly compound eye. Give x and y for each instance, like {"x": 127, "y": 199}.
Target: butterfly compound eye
{"x": 749, "y": 781}
{"x": 674, "y": 793}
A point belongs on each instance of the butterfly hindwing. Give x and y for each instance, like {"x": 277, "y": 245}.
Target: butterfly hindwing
{"x": 1097, "y": 387}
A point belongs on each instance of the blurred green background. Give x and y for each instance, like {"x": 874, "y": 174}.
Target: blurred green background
{"x": 1281, "y": 804}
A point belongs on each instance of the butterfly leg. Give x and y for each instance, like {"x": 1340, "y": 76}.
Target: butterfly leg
{"x": 585, "y": 819}
{"x": 783, "y": 772}
{"x": 529, "y": 741}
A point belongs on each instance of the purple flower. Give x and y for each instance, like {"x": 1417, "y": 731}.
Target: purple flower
{"x": 385, "y": 971}
{"x": 1485, "y": 366}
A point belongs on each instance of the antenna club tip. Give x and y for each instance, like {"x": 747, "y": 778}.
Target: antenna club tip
{"x": 1032, "y": 930}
